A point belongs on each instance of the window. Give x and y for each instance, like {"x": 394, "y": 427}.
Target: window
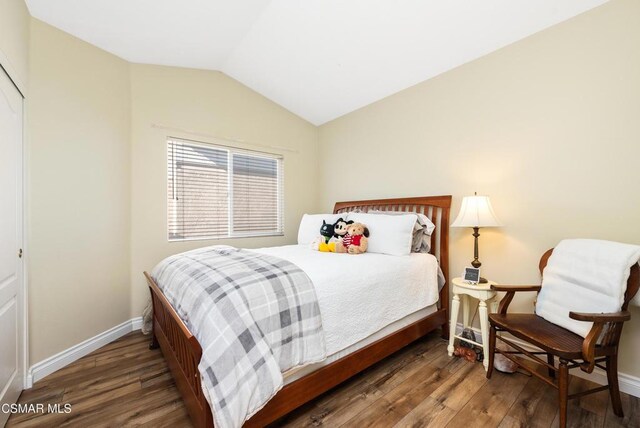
{"x": 222, "y": 192}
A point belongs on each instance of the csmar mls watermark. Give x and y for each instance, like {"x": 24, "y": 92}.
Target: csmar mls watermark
{"x": 36, "y": 408}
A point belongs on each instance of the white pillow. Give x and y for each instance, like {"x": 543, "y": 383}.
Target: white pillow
{"x": 310, "y": 226}
{"x": 388, "y": 234}
{"x": 422, "y": 230}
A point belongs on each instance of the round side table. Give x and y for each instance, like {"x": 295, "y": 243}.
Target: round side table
{"x": 482, "y": 292}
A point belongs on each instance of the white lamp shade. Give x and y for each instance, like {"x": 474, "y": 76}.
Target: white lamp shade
{"x": 476, "y": 211}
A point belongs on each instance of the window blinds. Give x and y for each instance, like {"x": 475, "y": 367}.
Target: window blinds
{"x": 220, "y": 192}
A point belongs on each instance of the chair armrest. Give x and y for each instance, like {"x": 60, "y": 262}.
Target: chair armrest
{"x": 511, "y": 291}
{"x": 515, "y": 288}
{"x": 601, "y": 317}
{"x": 591, "y": 339}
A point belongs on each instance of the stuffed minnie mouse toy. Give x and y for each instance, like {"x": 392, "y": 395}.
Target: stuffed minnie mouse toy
{"x": 340, "y": 228}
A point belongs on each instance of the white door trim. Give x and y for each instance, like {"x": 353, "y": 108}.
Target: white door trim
{"x": 25, "y": 246}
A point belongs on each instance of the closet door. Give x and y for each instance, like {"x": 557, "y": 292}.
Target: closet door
{"x": 11, "y": 239}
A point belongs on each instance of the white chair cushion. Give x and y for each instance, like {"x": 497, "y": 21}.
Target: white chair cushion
{"x": 585, "y": 275}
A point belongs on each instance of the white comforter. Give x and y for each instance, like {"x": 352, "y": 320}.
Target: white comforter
{"x": 361, "y": 294}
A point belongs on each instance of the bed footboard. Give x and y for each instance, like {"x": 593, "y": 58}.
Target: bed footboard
{"x": 182, "y": 352}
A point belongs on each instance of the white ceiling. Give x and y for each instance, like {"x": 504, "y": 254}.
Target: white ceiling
{"x": 319, "y": 59}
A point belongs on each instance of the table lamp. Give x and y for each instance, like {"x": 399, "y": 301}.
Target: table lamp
{"x": 476, "y": 212}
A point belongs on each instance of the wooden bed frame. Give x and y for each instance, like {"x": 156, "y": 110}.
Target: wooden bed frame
{"x": 182, "y": 350}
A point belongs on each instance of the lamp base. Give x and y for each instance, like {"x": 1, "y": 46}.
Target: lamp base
{"x": 482, "y": 280}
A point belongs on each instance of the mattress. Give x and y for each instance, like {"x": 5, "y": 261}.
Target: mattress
{"x": 297, "y": 373}
{"x": 360, "y": 295}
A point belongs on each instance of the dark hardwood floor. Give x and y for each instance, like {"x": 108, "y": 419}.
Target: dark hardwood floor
{"x": 126, "y": 384}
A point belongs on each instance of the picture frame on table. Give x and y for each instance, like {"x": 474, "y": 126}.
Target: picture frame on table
{"x": 471, "y": 275}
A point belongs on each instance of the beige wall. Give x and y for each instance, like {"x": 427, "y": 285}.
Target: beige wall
{"x": 97, "y": 171}
{"x": 206, "y": 104}
{"x": 549, "y": 127}
{"x": 78, "y": 194}
{"x": 14, "y": 40}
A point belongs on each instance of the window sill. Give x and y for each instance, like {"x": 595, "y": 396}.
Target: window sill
{"x": 220, "y": 238}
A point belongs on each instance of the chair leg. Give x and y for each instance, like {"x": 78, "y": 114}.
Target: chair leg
{"x": 551, "y": 361}
{"x": 614, "y": 388}
{"x": 492, "y": 350}
{"x": 563, "y": 391}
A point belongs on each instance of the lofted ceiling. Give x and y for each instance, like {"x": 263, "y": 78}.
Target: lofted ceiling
{"x": 320, "y": 59}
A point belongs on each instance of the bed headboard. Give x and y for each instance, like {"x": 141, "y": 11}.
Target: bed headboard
{"x": 435, "y": 207}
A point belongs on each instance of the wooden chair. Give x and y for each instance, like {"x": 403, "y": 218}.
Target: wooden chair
{"x": 599, "y": 346}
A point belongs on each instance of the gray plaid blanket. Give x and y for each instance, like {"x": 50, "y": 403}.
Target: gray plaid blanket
{"x": 255, "y": 316}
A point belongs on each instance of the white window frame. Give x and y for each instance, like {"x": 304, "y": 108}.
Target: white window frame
{"x": 231, "y": 150}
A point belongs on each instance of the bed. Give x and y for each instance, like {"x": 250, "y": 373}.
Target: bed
{"x": 348, "y": 354}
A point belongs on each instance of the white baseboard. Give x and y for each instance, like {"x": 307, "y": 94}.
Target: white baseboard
{"x": 136, "y": 323}
{"x": 68, "y": 356}
{"x": 628, "y": 384}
